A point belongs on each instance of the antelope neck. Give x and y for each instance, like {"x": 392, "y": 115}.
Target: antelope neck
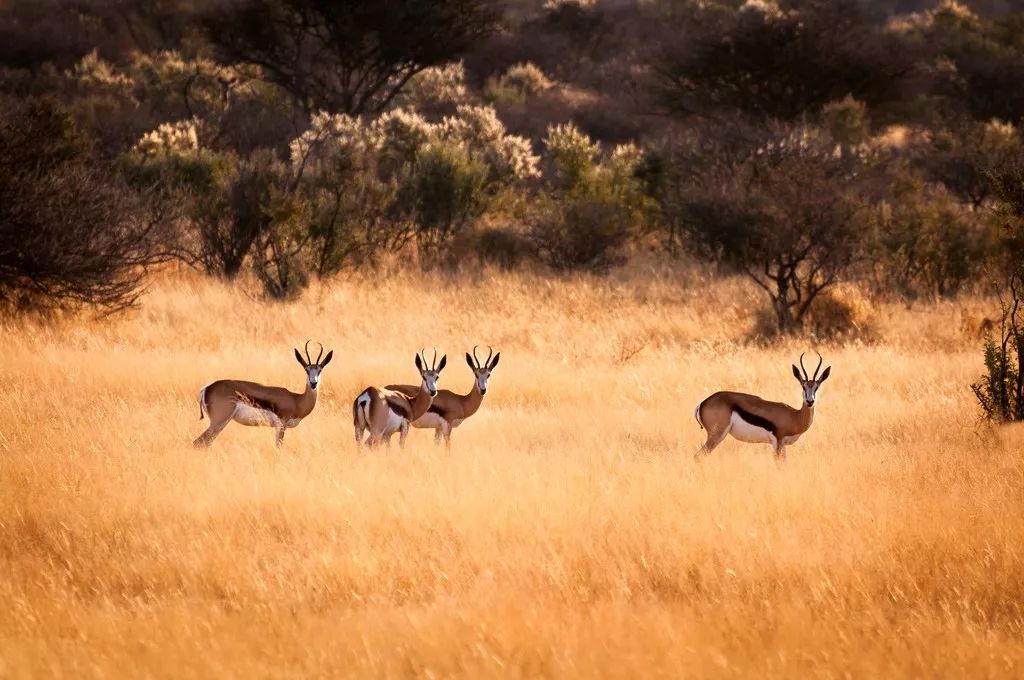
{"x": 471, "y": 402}
{"x": 306, "y": 402}
{"x": 420, "y": 403}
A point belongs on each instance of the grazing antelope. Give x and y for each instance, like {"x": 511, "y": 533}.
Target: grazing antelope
{"x": 754, "y": 420}
{"x": 250, "y": 403}
{"x": 448, "y": 409}
{"x": 384, "y": 411}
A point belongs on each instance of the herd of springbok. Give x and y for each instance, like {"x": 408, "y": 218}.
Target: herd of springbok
{"x": 383, "y": 411}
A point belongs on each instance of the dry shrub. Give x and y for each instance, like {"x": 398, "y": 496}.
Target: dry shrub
{"x": 520, "y": 82}
{"x": 976, "y": 326}
{"x": 842, "y": 312}
{"x": 503, "y": 247}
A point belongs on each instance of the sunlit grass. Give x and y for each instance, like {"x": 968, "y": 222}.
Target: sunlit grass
{"x": 567, "y": 532}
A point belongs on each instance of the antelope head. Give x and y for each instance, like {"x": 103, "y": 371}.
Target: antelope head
{"x": 810, "y": 384}
{"x": 313, "y": 368}
{"x": 430, "y": 373}
{"x": 482, "y": 371}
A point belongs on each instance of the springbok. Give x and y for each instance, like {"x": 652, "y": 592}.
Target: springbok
{"x": 384, "y": 411}
{"x": 250, "y": 403}
{"x": 448, "y": 409}
{"x": 754, "y": 420}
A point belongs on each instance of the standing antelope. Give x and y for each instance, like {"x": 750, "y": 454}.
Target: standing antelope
{"x": 384, "y": 411}
{"x": 250, "y": 403}
{"x": 448, "y": 409}
{"x": 754, "y": 420}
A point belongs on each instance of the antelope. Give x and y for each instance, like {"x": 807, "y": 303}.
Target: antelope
{"x": 384, "y": 411}
{"x": 253, "y": 404}
{"x": 449, "y": 410}
{"x": 754, "y": 420}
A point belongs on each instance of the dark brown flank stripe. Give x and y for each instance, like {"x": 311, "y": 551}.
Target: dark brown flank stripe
{"x": 437, "y": 410}
{"x": 259, "y": 403}
{"x": 755, "y": 420}
{"x": 400, "y": 407}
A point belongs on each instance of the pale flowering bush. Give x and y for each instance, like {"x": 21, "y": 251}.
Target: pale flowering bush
{"x": 769, "y": 9}
{"x": 168, "y": 74}
{"x": 571, "y": 152}
{"x": 519, "y": 83}
{"x": 408, "y": 176}
{"x": 401, "y": 133}
{"x": 554, "y": 5}
{"x": 510, "y": 157}
{"x": 435, "y": 85}
{"x": 997, "y": 134}
{"x": 93, "y": 72}
{"x": 624, "y": 160}
{"x": 329, "y": 139}
{"x": 181, "y": 137}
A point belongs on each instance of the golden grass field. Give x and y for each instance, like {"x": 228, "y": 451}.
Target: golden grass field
{"x": 568, "y": 532}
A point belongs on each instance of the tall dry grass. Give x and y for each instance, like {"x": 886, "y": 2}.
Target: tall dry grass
{"x": 567, "y": 533}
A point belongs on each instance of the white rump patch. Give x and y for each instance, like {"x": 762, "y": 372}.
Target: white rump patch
{"x": 747, "y": 432}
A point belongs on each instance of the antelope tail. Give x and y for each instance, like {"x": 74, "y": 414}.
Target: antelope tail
{"x": 361, "y": 410}
{"x": 202, "y": 402}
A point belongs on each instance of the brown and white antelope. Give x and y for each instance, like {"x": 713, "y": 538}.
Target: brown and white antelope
{"x": 383, "y": 411}
{"x": 250, "y": 403}
{"x": 754, "y": 420}
{"x": 449, "y": 410}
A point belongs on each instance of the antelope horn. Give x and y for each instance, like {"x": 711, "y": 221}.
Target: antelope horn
{"x": 306, "y": 348}
{"x": 476, "y": 357}
{"x": 490, "y": 351}
{"x": 433, "y": 364}
{"x": 802, "y": 365}
{"x": 820, "y": 360}
{"x": 319, "y": 356}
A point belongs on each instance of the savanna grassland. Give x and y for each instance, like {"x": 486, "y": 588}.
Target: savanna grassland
{"x": 568, "y": 532}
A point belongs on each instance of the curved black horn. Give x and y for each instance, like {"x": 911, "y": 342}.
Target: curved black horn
{"x": 476, "y": 357}
{"x": 306, "y": 348}
{"x": 818, "y": 368}
{"x": 490, "y": 351}
{"x": 319, "y": 356}
{"x": 433, "y": 364}
{"x": 802, "y": 365}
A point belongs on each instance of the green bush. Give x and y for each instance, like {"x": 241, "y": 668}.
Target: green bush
{"x": 595, "y": 203}
{"x": 1000, "y": 391}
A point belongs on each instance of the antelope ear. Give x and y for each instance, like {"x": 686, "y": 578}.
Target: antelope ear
{"x": 824, "y": 375}
{"x": 469, "y": 360}
{"x": 298, "y": 357}
{"x": 495, "y": 361}
{"x": 419, "y": 364}
{"x": 327, "y": 359}
{"x": 444, "y": 360}
{"x": 796, "y": 373}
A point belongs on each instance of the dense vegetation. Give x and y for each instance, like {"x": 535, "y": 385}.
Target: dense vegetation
{"x": 803, "y": 143}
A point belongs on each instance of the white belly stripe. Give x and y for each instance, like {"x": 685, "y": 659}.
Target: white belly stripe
{"x": 429, "y": 420}
{"x": 249, "y": 415}
{"x": 746, "y": 432}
